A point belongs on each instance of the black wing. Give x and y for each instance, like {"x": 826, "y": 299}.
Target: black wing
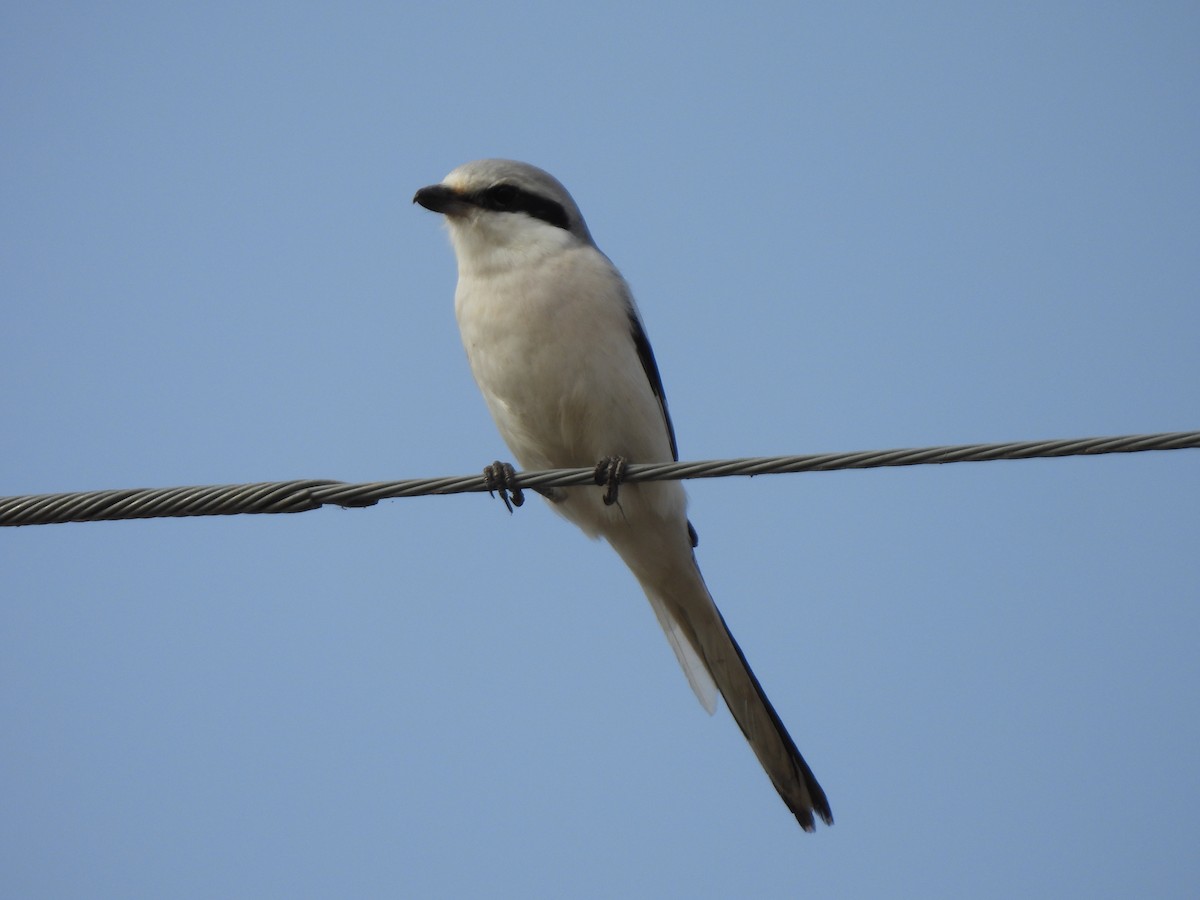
{"x": 646, "y": 355}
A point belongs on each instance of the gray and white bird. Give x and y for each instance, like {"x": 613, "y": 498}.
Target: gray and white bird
{"x": 558, "y": 349}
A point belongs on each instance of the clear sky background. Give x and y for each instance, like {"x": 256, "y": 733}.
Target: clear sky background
{"x": 848, "y": 226}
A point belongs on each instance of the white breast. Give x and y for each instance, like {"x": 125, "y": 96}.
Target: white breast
{"x": 550, "y": 344}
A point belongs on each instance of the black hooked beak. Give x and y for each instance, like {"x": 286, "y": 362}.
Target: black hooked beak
{"x": 443, "y": 199}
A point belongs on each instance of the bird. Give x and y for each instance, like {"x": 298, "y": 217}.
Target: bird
{"x": 558, "y": 349}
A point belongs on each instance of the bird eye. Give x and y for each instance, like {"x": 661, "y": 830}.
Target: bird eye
{"x": 503, "y": 197}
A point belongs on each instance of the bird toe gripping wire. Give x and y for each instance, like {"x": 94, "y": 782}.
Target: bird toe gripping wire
{"x": 610, "y": 472}
{"x": 501, "y": 479}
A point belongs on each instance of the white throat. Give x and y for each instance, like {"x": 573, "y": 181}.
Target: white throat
{"x": 487, "y": 243}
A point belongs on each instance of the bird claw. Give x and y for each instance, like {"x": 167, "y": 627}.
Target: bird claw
{"x": 499, "y": 477}
{"x": 610, "y": 472}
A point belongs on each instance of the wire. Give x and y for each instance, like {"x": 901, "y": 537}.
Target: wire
{"x": 300, "y": 496}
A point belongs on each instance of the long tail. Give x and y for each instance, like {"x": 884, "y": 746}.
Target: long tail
{"x": 691, "y": 609}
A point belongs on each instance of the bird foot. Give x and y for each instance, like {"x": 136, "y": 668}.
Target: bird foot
{"x": 500, "y": 478}
{"x": 610, "y": 472}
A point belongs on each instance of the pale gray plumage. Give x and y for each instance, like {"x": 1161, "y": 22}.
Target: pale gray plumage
{"x": 557, "y": 347}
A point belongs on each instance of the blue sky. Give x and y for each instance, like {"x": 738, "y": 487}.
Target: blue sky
{"x": 848, "y": 227}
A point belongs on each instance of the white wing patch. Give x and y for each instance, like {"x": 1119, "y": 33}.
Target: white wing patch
{"x": 693, "y": 666}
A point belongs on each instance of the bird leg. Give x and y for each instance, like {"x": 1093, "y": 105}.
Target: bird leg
{"x": 499, "y": 477}
{"x": 610, "y": 472}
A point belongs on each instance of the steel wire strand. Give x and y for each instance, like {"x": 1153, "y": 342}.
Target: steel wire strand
{"x": 303, "y": 495}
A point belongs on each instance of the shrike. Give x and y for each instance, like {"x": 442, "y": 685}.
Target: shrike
{"x": 559, "y": 351}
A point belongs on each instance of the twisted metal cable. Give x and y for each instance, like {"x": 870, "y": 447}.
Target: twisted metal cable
{"x": 303, "y": 495}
